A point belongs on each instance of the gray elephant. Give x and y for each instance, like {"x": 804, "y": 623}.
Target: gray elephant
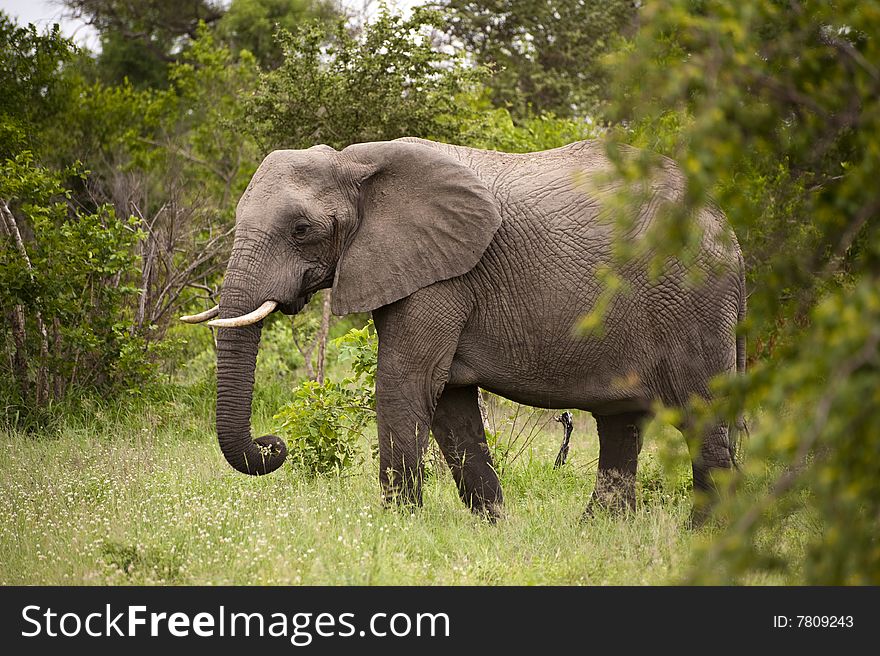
{"x": 477, "y": 266}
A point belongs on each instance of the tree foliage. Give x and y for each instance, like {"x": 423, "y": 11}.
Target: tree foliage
{"x": 65, "y": 293}
{"x": 252, "y": 24}
{"x": 544, "y": 54}
{"x": 339, "y": 88}
{"x": 139, "y": 39}
{"x": 772, "y": 108}
{"x": 34, "y": 91}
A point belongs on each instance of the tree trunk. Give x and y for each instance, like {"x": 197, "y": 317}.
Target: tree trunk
{"x": 484, "y": 414}
{"x": 58, "y": 378}
{"x": 19, "y": 360}
{"x": 43, "y": 370}
{"x": 148, "y": 256}
{"x": 305, "y": 352}
{"x": 16, "y": 320}
{"x": 322, "y": 335}
{"x": 18, "y": 328}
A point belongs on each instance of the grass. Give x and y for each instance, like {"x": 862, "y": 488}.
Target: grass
{"x": 140, "y": 494}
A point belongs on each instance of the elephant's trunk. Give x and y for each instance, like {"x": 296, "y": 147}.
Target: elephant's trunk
{"x": 236, "y": 362}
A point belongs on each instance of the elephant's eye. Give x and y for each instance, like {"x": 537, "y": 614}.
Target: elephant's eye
{"x": 300, "y": 228}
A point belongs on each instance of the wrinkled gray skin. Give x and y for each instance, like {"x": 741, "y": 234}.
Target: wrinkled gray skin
{"x": 476, "y": 266}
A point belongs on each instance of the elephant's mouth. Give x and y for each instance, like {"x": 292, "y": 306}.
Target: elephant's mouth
{"x": 295, "y": 306}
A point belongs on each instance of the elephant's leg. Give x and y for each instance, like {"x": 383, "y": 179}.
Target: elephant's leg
{"x": 403, "y": 439}
{"x": 416, "y": 347}
{"x": 458, "y": 429}
{"x": 709, "y": 452}
{"x": 620, "y": 441}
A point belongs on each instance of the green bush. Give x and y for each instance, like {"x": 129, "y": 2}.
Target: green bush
{"x": 66, "y": 277}
{"x": 337, "y": 87}
{"x": 773, "y": 110}
{"x": 325, "y": 421}
{"x": 360, "y": 346}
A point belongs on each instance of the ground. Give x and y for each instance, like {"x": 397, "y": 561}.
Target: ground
{"x": 140, "y": 494}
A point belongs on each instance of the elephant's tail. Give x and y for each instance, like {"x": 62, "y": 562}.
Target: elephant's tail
{"x": 740, "y": 427}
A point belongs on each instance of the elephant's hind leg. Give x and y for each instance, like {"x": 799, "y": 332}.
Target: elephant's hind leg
{"x": 620, "y": 440}
{"x": 458, "y": 429}
{"x": 709, "y": 453}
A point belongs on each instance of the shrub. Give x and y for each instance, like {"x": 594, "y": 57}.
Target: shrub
{"x": 325, "y": 421}
{"x": 341, "y": 88}
{"x": 65, "y": 277}
{"x": 774, "y": 114}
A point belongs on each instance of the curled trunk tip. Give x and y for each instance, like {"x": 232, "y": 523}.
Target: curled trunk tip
{"x": 267, "y": 455}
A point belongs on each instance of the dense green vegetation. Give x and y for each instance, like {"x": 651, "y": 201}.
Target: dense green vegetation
{"x": 774, "y": 110}
{"x": 545, "y": 56}
{"x": 119, "y": 174}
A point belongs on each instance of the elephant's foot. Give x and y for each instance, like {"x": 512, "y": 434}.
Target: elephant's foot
{"x": 402, "y": 489}
{"x": 400, "y": 502}
{"x": 480, "y": 490}
{"x": 619, "y": 506}
{"x": 706, "y": 498}
{"x": 620, "y": 441}
{"x": 701, "y": 513}
{"x": 615, "y": 494}
{"x": 489, "y": 509}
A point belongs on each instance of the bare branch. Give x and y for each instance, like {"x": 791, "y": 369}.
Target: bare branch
{"x": 11, "y": 229}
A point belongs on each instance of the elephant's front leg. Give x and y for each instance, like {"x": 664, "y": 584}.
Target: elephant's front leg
{"x": 415, "y": 350}
{"x": 458, "y": 429}
{"x": 403, "y": 440}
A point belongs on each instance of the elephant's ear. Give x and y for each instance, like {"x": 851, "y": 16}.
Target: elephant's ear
{"x": 423, "y": 217}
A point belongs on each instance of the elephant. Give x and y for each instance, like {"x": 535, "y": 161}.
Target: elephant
{"x": 477, "y": 266}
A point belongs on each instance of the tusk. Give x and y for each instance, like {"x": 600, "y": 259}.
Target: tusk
{"x": 203, "y": 316}
{"x": 246, "y": 319}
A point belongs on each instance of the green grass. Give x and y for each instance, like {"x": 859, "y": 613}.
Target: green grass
{"x": 142, "y": 495}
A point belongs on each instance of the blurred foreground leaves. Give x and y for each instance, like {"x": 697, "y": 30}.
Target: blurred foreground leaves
{"x": 773, "y": 110}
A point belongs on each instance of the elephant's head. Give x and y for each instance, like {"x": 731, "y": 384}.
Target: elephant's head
{"x": 376, "y": 221}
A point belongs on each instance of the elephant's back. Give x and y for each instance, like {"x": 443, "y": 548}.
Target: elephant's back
{"x": 578, "y": 186}
{"x": 494, "y": 167}
{"x": 561, "y": 215}
{"x": 576, "y": 195}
